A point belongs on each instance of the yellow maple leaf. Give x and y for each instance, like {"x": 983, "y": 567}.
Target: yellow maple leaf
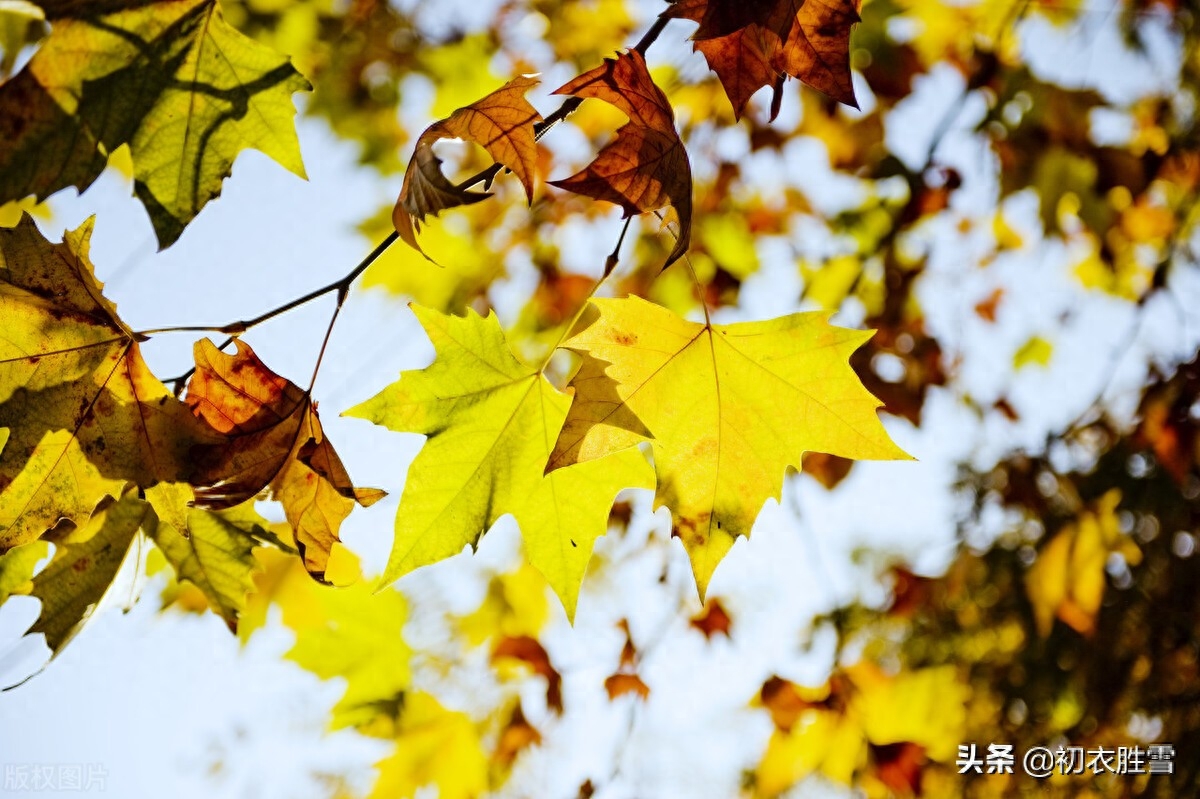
{"x": 728, "y": 409}
{"x": 1067, "y": 580}
{"x": 491, "y": 422}
{"x": 434, "y": 746}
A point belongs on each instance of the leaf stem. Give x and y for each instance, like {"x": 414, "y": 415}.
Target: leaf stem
{"x": 342, "y": 285}
{"x": 235, "y": 329}
{"x": 610, "y": 264}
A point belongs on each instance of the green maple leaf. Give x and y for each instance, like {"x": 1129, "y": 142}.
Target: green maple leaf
{"x": 492, "y": 422}
{"x": 171, "y": 79}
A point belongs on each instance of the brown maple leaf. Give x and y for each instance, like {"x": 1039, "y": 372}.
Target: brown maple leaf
{"x": 646, "y": 166}
{"x": 754, "y": 44}
{"x": 273, "y": 440}
{"x": 501, "y": 122}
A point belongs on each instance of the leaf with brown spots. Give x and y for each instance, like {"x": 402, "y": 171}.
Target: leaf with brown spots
{"x": 502, "y": 123}
{"x": 646, "y": 166}
{"x": 754, "y": 44}
{"x": 727, "y": 409}
{"x": 86, "y": 417}
{"x": 273, "y": 440}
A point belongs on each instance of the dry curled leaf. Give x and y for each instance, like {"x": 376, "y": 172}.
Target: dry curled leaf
{"x": 275, "y": 440}
{"x": 646, "y": 166}
{"x": 502, "y": 123}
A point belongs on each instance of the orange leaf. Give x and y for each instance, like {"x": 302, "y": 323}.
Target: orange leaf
{"x": 274, "y": 439}
{"x": 713, "y": 619}
{"x": 532, "y": 653}
{"x": 620, "y": 684}
{"x": 646, "y": 166}
{"x": 517, "y": 735}
{"x": 501, "y": 122}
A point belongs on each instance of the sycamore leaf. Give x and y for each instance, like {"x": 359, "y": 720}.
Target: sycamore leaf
{"x": 728, "y": 408}
{"x": 502, "y": 123}
{"x": 85, "y": 414}
{"x": 745, "y": 61}
{"x": 712, "y": 619}
{"x": 491, "y": 422}
{"x": 646, "y": 166}
{"x": 211, "y": 550}
{"x": 171, "y": 79}
{"x": 274, "y": 440}
{"x": 751, "y": 45}
{"x": 84, "y": 566}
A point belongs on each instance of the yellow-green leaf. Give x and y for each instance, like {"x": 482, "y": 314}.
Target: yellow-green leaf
{"x": 211, "y": 550}
{"x": 170, "y": 78}
{"x": 728, "y": 409}
{"x": 562, "y": 518}
{"x": 83, "y": 568}
{"x": 16, "y": 568}
{"x": 491, "y": 422}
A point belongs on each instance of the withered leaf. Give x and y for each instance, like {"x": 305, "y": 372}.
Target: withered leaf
{"x": 646, "y": 166}
{"x": 274, "y": 440}
{"x": 751, "y": 44}
{"x": 501, "y": 122}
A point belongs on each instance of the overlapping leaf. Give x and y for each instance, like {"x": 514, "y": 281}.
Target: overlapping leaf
{"x": 83, "y": 568}
{"x": 211, "y": 550}
{"x": 502, "y": 123}
{"x": 85, "y": 414}
{"x": 274, "y": 440}
{"x": 646, "y": 166}
{"x": 752, "y": 45}
{"x": 491, "y": 422}
{"x": 171, "y": 79}
{"x": 728, "y": 408}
